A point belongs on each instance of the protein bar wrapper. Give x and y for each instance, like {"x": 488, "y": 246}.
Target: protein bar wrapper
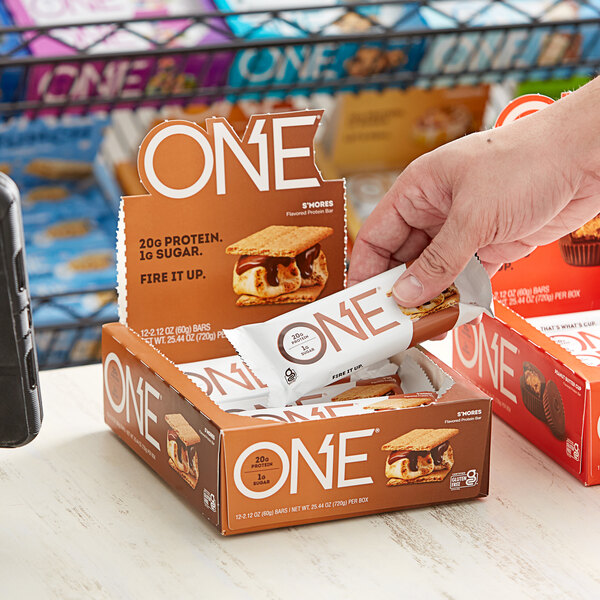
{"x": 228, "y": 380}
{"x": 325, "y": 341}
{"x": 330, "y": 410}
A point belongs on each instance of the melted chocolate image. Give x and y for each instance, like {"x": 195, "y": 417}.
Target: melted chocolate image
{"x": 438, "y": 452}
{"x": 183, "y": 452}
{"x": 411, "y": 455}
{"x": 305, "y": 260}
{"x": 269, "y": 263}
{"x": 436, "y": 455}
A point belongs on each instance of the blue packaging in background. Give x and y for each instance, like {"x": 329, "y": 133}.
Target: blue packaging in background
{"x": 69, "y": 221}
{"x": 12, "y": 79}
{"x": 512, "y": 53}
{"x": 327, "y": 61}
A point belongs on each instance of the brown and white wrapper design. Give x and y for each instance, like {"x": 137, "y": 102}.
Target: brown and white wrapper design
{"x": 332, "y": 410}
{"x": 323, "y": 342}
{"x": 229, "y": 383}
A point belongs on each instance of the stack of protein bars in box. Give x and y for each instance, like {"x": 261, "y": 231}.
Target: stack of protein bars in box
{"x": 382, "y": 386}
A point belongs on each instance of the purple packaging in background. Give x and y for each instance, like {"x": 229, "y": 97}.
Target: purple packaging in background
{"x": 120, "y": 78}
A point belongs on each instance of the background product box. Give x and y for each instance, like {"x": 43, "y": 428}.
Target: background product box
{"x": 324, "y": 62}
{"x": 496, "y": 354}
{"x": 123, "y": 78}
{"x": 544, "y": 284}
{"x": 253, "y": 474}
{"x": 389, "y": 129}
{"x": 458, "y": 53}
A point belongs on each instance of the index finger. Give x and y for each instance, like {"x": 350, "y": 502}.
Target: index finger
{"x": 380, "y": 236}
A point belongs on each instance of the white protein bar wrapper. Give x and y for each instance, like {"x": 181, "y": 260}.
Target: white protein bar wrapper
{"x": 327, "y": 340}
{"x": 228, "y": 380}
{"x": 225, "y": 379}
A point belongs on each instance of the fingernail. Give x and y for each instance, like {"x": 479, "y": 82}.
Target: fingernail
{"x": 408, "y": 289}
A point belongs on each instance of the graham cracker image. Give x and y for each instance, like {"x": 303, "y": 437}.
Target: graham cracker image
{"x": 281, "y": 264}
{"x": 435, "y": 476}
{"x": 280, "y": 240}
{"x": 408, "y": 401}
{"x": 419, "y": 456}
{"x": 301, "y": 296}
{"x": 449, "y": 297}
{"x": 359, "y": 392}
{"x": 183, "y": 457}
{"x": 420, "y": 439}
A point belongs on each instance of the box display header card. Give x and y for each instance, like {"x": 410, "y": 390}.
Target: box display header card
{"x": 233, "y": 231}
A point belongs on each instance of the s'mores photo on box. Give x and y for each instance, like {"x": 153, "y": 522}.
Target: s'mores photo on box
{"x": 419, "y": 456}
{"x": 181, "y": 448}
{"x": 281, "y": 264}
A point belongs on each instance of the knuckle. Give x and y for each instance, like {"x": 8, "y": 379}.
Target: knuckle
{"x": 435, "y": 261}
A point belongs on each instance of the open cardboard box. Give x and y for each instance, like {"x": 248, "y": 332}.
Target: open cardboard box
{"x": 243, "y": 473}
{"x": 255, "y": 474}
{"x": 494, "y": 355}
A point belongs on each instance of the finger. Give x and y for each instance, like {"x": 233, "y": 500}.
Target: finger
{"x": 507, "y": 252}
{"x": 415, "y": 243}
{"x": 439, "y": 264}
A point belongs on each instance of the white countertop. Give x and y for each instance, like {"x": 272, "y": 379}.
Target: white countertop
{"x": 82, "y": 517}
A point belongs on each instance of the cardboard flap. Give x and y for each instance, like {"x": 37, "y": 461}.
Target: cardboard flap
{"x": 215, "y": 198}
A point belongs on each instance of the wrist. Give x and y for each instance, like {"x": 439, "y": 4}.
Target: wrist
{"x": 574, "y": 122}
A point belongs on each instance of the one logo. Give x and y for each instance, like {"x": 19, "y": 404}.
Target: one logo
{"x": 290, "y": 376}
{"x": 521, "y": 107}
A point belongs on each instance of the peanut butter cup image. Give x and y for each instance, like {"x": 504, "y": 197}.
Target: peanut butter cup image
{"x": 182, "y": 439}
{"x": 280, "y": 264}
{"x": 554, "y": 410}
{"x": 581, "y": 248}
{"x": 533, "y": 383}
{"x": 419, "y": 456}
{"x": 449, "y": 297}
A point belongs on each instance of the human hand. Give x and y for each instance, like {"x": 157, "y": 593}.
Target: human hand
{"x": 497, "y": 193}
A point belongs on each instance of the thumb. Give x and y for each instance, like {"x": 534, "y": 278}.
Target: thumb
{"x": 438, "y": 265}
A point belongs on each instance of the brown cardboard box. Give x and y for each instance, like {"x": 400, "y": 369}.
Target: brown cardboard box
{"x": 254, "y": 474}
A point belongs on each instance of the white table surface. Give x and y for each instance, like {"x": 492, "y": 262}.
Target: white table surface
{"x": 82, "y": 517}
